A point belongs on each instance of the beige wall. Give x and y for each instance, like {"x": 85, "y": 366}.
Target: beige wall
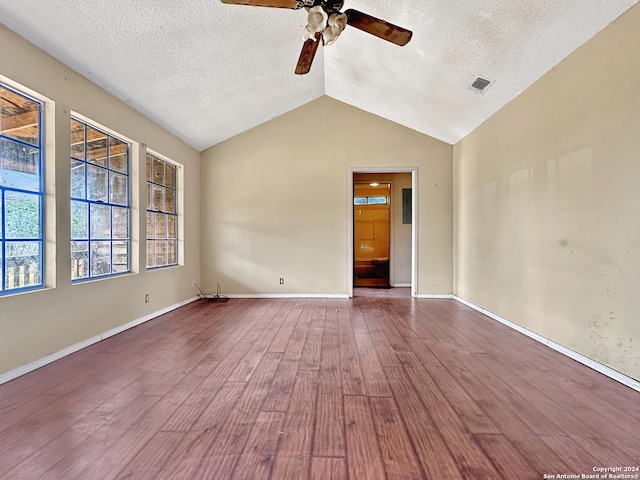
{"x": 275, "y": 200}
{"x": 400, "y": 233}
{"x": 547, "y": 208}
{"x": 36, "y": 324}
{"x": 544, "y": 200}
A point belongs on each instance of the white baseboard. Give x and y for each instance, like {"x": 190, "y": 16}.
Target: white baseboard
{"x": 598, "y": 367}
{"x": 41, "y": 362}
{"x": 286, "y": 295}
{"x": 401, "y": 285}
{"x": 428, "y": 295}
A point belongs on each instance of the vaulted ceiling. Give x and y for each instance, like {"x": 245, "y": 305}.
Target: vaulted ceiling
{"x": 206, "y": 71}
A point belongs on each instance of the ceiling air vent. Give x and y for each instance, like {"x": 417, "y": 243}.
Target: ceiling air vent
{"x": 480, "y": 85}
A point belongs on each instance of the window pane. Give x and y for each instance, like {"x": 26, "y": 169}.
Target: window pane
{"x": 171, "y": 226}
{"x": 158, "y": 171}
{"x": 117, "y": 155}
{"x": 148, "y": 162}
{"x": 22, "y": 264}
{"x": 100, "y": 258}
{"x": 172, "y": 252}
{"x": 77, "y": 140}
{"x": 77, "y": 180}
{"x": 169, "y": 201}
{"x": 150, "y": 253}
{"x": 120, "y": 257}
{"x": 148, "y": 196}
{"x": 100, "y": 221}
{"x": 22, "y": 212}
{"x": 157, "y": 198}
{"x": 151, "y": 233}
{"x": 161, "y": 253}
{"x": 96, "y": 147}
{"x": 376, "y": 200}
{"x": 120, "y": 219}
{"x": 118, "y": 188}
{"x": 79, "y": 260}
{"x": 359, "y": 201}
{"x": 19, "y": 166}
{"x": 79, "y": 220}
{"x": 20, "y": 117}
{"x": 161, "y": 225}
{"x": 96, "y": 184}
{"x": 1, "y": 254}
{"x": 170, "y": 176}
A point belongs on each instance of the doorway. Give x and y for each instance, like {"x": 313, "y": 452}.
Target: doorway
{"x": 371, "y": 234}
{"x": 401, "y": 261}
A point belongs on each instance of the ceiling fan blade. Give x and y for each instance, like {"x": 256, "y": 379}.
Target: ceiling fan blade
{"x": 379, "y": 28}
{"x": 294, "y": 4}
{"x": 309, "y": 49}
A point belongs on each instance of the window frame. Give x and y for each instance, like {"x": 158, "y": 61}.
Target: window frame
{"x": 127, "y": 173}
{"x": 41, "y": 193}
{"x": 150, "y": 156}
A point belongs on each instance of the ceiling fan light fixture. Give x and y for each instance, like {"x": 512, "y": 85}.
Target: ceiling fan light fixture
{"x": 316, "y": 22}
{"x": 336, "y": 24}
{"x": 330, "y": 35}
{"x": 309, "y": 34}
{"x": 338, "y": 20}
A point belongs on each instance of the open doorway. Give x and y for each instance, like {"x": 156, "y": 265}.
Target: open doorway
{"x": 380, "y": 255}
{"x": 371, "y": 233}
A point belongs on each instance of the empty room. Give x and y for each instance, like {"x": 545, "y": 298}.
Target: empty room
{"x": 319, "y": 239}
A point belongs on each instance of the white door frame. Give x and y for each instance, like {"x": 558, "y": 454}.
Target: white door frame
{"x": 414, "y": 221}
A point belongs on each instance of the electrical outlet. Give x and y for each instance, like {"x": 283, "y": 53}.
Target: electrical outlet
{"x": 146, "y": 298}
{"x": 281, "y": 280}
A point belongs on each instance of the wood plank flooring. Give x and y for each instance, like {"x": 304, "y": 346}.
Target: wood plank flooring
{"x": 381, "y": 386}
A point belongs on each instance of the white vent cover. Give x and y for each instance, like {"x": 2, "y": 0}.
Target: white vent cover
{"x": 480, "y": 85}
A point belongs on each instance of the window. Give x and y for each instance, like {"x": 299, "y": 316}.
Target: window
{"x": 162, "y": 213}
{"x": 21, "y": 192}
{"x": 100, "y": 238}
{"x": 370, "y": 200}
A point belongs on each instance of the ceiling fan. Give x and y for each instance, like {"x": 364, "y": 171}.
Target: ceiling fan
{"x": 326, "y": 23}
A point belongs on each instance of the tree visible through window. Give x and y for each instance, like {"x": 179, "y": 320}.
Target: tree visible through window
{"x": 21, "y": 192}
{"x": 100, "y": 239}
{"x": 162, "y": 214}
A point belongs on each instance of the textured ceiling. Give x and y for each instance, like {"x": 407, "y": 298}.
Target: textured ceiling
{"x": 207, "y": 71}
